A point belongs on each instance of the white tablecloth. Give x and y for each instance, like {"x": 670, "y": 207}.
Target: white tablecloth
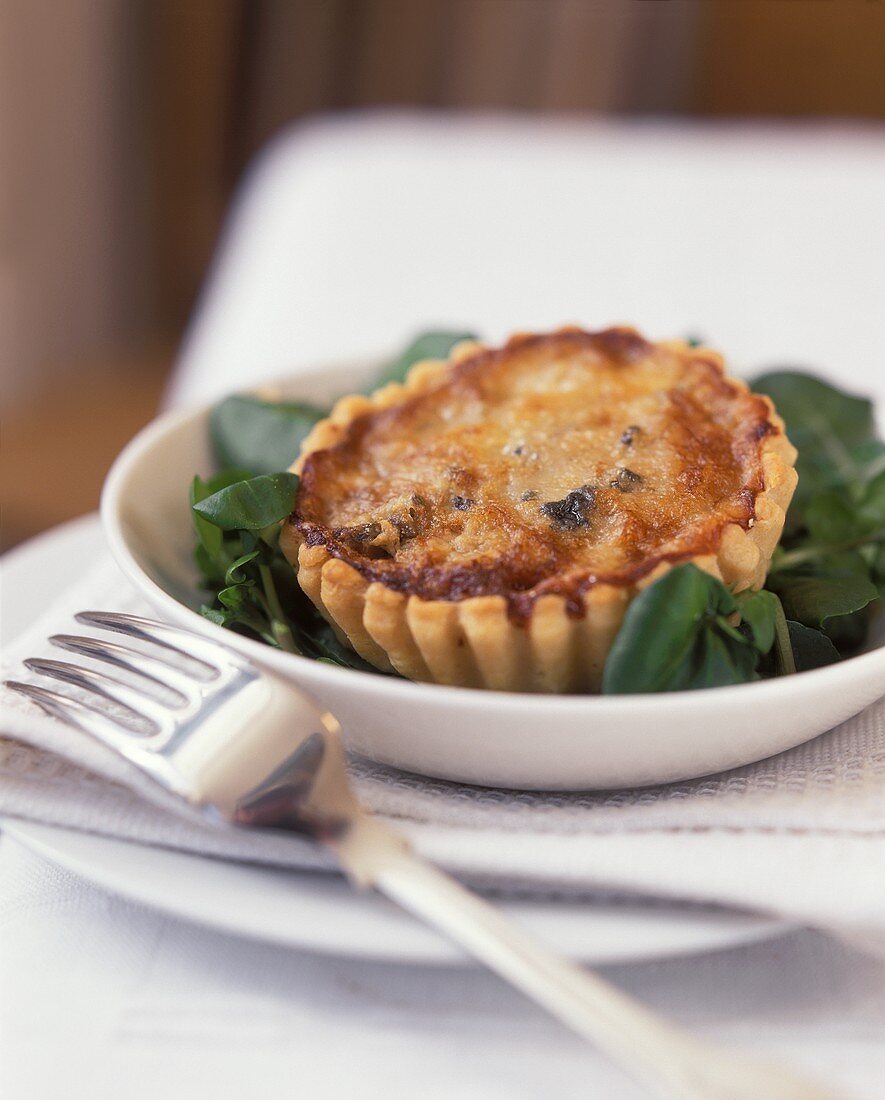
{"x": 349, "y": 235}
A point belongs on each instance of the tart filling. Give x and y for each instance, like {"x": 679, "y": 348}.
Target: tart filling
{"x": 441, "y": 524}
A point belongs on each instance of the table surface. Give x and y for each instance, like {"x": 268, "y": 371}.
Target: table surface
{"x": 348, "y": 235}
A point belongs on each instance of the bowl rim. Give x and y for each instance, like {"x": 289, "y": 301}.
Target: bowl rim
{"x": 151, "y": 436}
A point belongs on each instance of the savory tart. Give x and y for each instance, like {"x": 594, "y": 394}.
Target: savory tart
{"x": 487, "y": 523}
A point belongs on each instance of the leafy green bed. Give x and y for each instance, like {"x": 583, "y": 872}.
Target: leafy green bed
{"x": 826, "y": 579}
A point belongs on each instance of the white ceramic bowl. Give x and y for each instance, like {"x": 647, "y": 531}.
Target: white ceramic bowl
{"x": 491, "y": 738}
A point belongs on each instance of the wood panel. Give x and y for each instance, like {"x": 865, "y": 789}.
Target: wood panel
{"x": 189, "y": 68}
{"x": 399, "y": 50}
{"x": 58, "y": 446}
{"x": 792, "y": 57}
{"x": 289, "y": 60}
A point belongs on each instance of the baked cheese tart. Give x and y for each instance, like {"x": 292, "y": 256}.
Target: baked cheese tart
{"x": 487, "y": 523}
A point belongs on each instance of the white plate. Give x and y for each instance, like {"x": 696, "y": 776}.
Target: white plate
{"x": 322, "y": 913}
{"x": 318, "y": 911}
{"x": 489, "y": 738}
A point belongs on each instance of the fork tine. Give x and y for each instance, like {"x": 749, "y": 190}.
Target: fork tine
{"x": 142, "y": 665}
{"x": 149, "y": 630}
{"x": 76, "y": 713}
{"x": 137, "y": 707}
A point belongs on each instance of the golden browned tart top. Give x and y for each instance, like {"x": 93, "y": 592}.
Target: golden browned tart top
{"x": 550, "y": 465}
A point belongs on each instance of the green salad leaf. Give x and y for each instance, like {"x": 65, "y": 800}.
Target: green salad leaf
{"x": 826, "y": 570}
{"x": 677, "y": 635}
{"x": 824, "y": 589}
{"x": 210, "y": 539}
{"x": 251, "y": 433}
{"x": 877, "y": 570}
{"x": 429, "y": 345}
{"x": 811, "y": 648}
{"x": 759, "y": 612}
{"x": 253, "y": 587}
{"x": 251, "y": 505}
{"x": 833, "y": 431}
{"x": 236, "y": 520}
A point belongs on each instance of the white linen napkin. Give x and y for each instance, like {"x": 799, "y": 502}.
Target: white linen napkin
{"x": 800, "y": 835}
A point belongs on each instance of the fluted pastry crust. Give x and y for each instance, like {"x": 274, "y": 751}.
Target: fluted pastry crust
{"x": 487, "y": 523}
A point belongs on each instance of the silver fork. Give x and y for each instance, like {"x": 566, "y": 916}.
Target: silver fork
{"x": 247, "y": 749}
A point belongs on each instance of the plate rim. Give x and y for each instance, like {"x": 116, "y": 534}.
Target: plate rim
{"x": 704, "y": 931}
{"x": 56, "y": 541}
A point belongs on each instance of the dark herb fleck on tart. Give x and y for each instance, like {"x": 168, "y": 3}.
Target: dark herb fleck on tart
{"x": 573, "y": 511}
{"x": 626, "y": 481}
{"x": 365, "y": 532}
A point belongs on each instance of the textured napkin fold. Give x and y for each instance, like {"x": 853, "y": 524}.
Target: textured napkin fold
{"x": 801, "y": 834}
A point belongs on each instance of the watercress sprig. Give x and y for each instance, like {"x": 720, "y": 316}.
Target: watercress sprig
{"x": 681, "y": 633}
{"x": 253, "y": 590}
{"x": 827, "y": 570}
{"x": 252, "y": 433}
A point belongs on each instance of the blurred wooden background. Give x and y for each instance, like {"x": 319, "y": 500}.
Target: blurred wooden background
{"x": 225, "y": 75}
{"x": 125, "y": 124}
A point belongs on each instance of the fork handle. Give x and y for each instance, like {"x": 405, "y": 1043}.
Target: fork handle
{"x": 672, "y": 1062}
